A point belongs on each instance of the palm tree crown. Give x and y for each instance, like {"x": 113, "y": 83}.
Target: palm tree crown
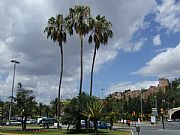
{"x": 78, "y": 20}
{"x": 101, "y": 31}
{"x": 56, "y": 29}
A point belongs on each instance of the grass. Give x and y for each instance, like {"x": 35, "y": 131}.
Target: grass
{"x": 14, "y": 130}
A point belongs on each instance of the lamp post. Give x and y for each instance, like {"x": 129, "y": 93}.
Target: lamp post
{"x": 155, "y": 101}
{"x": 141, "y": 105}
{"x": 15, "y": 62}
{"x": 102, "y": 92}
{"x": 162, "y": 113}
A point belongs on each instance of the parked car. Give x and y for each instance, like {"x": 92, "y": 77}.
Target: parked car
{"x": 103, "y": 125}
{"x": 39, "y": 119}
{"x": 83, "y": 124}
{"x": 31, "y": 121}
{"x": 169, "y": 120}
{"x": 56, "y": 124}
{"x": 13, "y": 123}
{"x": 176, "y": 120}
{"x": 46, "y": 122}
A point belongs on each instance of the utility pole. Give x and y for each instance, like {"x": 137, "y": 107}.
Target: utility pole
{"x": 102, "y": 92}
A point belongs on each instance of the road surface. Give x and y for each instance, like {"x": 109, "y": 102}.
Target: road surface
{"x": 171, "y": 128}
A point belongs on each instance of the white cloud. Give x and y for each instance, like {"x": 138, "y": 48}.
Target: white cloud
{"x": 122, "y": 86}
{"x": 135, "y": 47}
{"x": 22, "y": 38}
{"x": 161, "y": 50}
{"x": 167, "y": 14}
{"x": 165, "y": 64}
{"x": 157, "y": 40}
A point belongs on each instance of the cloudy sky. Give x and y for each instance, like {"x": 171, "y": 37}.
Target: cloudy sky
{"x": 145, "y": 46}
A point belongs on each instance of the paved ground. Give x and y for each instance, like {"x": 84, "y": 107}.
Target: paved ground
{"x": 171, "y": 128}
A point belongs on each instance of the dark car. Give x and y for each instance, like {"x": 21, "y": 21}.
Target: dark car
{"x": 103, "y": 125}
{"x": 46, "y": 122}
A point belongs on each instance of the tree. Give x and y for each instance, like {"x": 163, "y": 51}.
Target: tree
{"x": 101, "y": 32}
{"x": 94, "y": 112}
{"x": 25, "y": 102}
{"x": 78, "y": 20}
{"x": 40, "y": 108}
{"x": 72, "y": 113}
{"x": 54, "y": 105}
{"x": 56, "y": 30}
{"x": 108, "y": 109}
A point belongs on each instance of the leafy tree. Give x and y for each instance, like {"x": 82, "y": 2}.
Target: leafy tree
{"x": 71, "y": 112}
{"x": 56, "y": 31}
{"x": 54, "y": 107}
{"x": 25, "y": 102}
{"x": 40, "y": 109}
{"x": 78, "y": 20}
{"x": 108, "y": 110}
{"x": 101, "y": 32}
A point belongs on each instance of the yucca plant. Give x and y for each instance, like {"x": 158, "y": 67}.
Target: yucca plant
{"x": 94, "y": 112}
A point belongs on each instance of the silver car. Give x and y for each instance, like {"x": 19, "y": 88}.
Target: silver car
{"x": 13, "y": 123}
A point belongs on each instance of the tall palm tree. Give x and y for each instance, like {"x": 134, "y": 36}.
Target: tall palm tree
{"x": 56, "y": 31}
{"x": 78, "y": 20}
{"x": 101, "y": 32}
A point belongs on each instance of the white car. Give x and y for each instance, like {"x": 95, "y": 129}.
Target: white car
{"x": 13, "y": 123}
{"x": 169, "y": 120}
{"x": 56, "y": 124}
{"x": 31, "y": 121}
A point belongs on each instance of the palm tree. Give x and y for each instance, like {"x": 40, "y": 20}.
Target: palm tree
{"x": 94, "y": 112}
{"x": 78, "y": 20}
{"x": 101, "y": 32}
{"x": 56, "y": 31}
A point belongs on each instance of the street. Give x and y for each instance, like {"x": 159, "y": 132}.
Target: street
{"x": 171, "y": 128}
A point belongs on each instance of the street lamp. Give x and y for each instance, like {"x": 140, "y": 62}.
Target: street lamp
{"x": 141, "y": 105}
{"x": 15, "y": 62}
{"x": 162, "y": 113}
{"x": 102, "y": 92}
{"x": 155, "y": 101}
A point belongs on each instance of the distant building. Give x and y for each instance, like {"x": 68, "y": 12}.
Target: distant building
{"x": 163, "y": 85}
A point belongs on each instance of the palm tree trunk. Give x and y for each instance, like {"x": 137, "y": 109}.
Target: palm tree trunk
{"x": 81, "y": 76}
{"x": 80, "y": 87}
{"x": 92, "y": 69}
{"x": 60, "y": 81}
